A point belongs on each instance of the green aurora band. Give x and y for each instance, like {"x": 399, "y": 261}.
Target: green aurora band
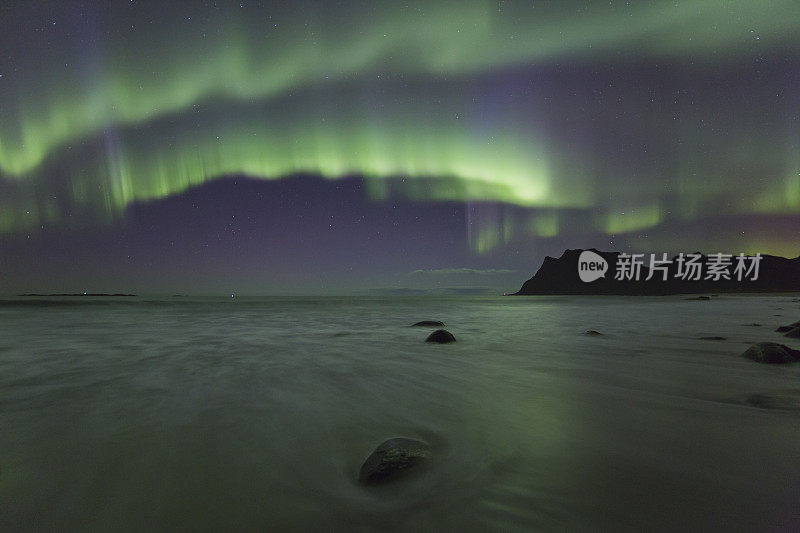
{"x": 134, "y": 107}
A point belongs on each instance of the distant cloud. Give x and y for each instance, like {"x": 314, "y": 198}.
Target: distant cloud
{"x": 461, "y": 271}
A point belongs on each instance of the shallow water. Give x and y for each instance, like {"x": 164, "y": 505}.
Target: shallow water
{"x": 206, "y": 414}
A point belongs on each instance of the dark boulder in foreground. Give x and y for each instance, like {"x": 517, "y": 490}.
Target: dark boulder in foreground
{"x": 428, "y": 324}
{"x": 593, "y": 332}
{"x": 793, "y": 333}
{"x": 391, "y": 458}
{"x": 442, "y": 336}
{"x": 790, "y": 327}
{"x": 771, "y": 353}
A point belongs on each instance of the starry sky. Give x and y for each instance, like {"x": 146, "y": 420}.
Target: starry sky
{"x": 336, "y": 147}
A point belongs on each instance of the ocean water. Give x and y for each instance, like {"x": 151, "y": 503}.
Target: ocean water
{"x": 256, "y": 414}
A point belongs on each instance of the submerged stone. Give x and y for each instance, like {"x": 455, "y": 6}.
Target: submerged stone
{"x": 790, "y": 327}
{"x": 780, "y": 401}
{"x": 428, "y": 324}
{"x": 442, "y": 336}
{"x": 391, "y": 458}
{"x": 592, "y": 332}
{"x": 771, "y": 353}
{"x": 793, "y": 333}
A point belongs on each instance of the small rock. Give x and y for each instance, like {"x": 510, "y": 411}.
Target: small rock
{"x": 391, "y": 458}
{"x": 793, "y": 333}
{"x": 428, "y": 324}
{"x": 771, "y": 353}
{"x": 592, "y": 332}
{"x": 755, "y": 324}
{"x": 442, "y": 336}
{"x": 790, "y": 327}
{"x": 700, "y": 298}
{"x": 714, "y": 338}
{"x": 786, "y": 402}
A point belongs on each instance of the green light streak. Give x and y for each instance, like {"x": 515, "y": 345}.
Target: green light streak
{"x": 138, "y": 76}
{"x": 544, "y": 225}
{"x": 636, "y": 219}
{"x": 142, "y": 115}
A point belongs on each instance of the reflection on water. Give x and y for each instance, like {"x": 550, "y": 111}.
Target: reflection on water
{"x": 207, "y": 414}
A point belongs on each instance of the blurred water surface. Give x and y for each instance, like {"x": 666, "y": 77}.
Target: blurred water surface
{"x": 228, "y": 414}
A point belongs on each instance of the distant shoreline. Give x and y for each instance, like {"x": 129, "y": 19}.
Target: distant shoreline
{"x": 82, "y": 294}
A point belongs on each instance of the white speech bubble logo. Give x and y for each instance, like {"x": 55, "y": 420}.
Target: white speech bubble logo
{"x": 591, "y": 266}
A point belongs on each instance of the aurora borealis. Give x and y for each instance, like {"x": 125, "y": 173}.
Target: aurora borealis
{"x": 659, "y": 125}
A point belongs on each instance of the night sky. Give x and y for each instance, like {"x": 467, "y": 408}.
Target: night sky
{"x": 332, "y": 147}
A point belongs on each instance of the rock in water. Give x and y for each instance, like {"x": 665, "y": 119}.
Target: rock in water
{"x": 592, "y": 332}
{"x": 771, "y": 353}
{"x": 392, "y": 457}
{"x": 793, "y": 333}
{"x": 714, "y": 338}
{"x": 787, "y": 402}
{"x": 442, "y": 336}
{"x": 428, "y": 324}
{"x": 790, "y": 327}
